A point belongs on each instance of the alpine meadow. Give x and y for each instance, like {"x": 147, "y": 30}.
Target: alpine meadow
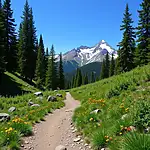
{"x": 87, "y": 98}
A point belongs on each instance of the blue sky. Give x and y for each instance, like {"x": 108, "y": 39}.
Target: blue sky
{"x": 71, "y": 23}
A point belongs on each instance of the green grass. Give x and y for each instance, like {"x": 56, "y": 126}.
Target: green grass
{"x": 25, "y": 116}
{"x": 12, "y": 85}
{"x": 126, "y": 94}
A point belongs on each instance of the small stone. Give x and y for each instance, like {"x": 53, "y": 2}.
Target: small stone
{"x": 96, "y": 111}
{"x": 26, "y": 142}
{"x": 86, "y": 144}
{"x": 77, "y": 139}
{"x": 60, "y": 147}
{"x": 38, "y": 93}
{"x": 59, "y": 95}
{"x": 51, "y": 98}
{"x": 11, "y": 109}
{"x": 75, "y": 130}
{"x": 22, "y": 145}
{"x": 35, "y": 105}
{"x": 30, "y": 103}
{"x": 4, "y": 117}
{"x": 90, "y": 147}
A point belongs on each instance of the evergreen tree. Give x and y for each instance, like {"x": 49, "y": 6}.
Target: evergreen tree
{"x": 40, "y": 64}
{"x": 51, "y": 75}
{"x": 47, "y": 52}
{"x": 2, "y": 41}
{"x": 78, "y": 78}
{"x": 92, "y": 77}
{"x": 32, "y": 52}
{"x": 102, "y": 73}
{"x": 112, "y": 66}
{"x": 10, "y": 37}
{"x": 127, "y": 45}
{"x": 61, "y": 73}
{"x": 85, "y": 79}
{"x": 46, "y": 59}
{"x": 143, "y": 33}
{"x": 28, "y": 43}
{"x": 21, "y": 58}
{"x": 107, "y": 65}
{"x": 73, "y": 82}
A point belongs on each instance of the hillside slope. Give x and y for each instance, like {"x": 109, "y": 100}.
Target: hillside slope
{"x": 12, "y": 85}
{"x": 86, "y": 69}
{"x": 123, "y": 102}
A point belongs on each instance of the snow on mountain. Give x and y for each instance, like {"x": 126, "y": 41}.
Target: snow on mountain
{"x": 84, "y": 55}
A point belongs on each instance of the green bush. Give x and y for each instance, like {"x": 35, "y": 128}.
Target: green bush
{"x": 142, "y": 118}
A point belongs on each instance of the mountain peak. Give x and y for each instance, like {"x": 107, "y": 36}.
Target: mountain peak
{"x": 103, "y": 41}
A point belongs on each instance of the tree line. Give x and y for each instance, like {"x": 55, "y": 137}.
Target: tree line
{"x": 81, "y": 78}
{"x": 134, "y": 49}
{"x": 22, "y": 51}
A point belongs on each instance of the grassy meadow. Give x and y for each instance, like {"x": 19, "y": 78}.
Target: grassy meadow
{"x": 24, "y": 117}
{"x": 123, "y": 120}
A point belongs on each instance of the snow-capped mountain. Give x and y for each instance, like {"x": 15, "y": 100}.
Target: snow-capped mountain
{"x": 84, "y": 55}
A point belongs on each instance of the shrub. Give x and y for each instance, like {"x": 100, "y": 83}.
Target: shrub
{"x": 142, "y": 117}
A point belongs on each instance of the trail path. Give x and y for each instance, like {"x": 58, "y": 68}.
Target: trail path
{"x": 56, "y": 130}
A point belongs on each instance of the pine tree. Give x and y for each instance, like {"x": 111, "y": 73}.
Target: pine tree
{"x": 112, "y": 66}
{"x": 73, "y": 82}
{"x": 46, "y": 60}
{"x": 48, "y": 80}
{"x": 28, "y": 43}
{"x": 32, "y": 54}
{"x": 2, "y": 41}
{"x": 40, "y": 64}
{"x": 103, "y": 67}
{"x": 61, "y": 73}
{"x": 78, "y": 78}
{"x": 47, "y": 52}
{"x": 10, "y": 37}
{"x": 85, "y": 79}
{"x": 127, "y": 45}
{"x": 51, "y": 75}
{"x": 92, "y": 77}
{"x": 143, "y": 33}
{"x": 107, "y": 65}
{"x": 21, "y": 58}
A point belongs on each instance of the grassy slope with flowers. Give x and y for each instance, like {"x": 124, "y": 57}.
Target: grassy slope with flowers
{"x": 124, "y": 103}
{"x": 24, "y": 117}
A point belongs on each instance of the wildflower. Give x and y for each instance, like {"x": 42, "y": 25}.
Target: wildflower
{"x": 107, "y": 140}
{"x": 120, "y": 133}
{"x": 106, "y": 137}
{"x": 127, "y": 109}
{"x": 91, "y": 119}
{"x": 128, "y": 129}
{"x": 110, "y": 138}
{"x": 99, "y": 124}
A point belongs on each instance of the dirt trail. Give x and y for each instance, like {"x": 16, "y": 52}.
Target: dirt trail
{"x": 56, "y": 130}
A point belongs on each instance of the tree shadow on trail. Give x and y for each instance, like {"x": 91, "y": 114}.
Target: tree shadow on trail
{"x": 8, "y": 87}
